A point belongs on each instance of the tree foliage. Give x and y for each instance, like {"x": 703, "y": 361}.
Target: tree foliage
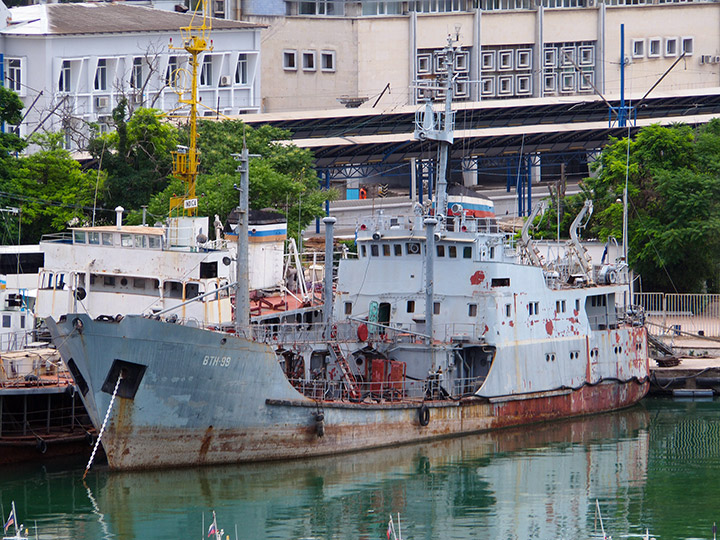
{"x": 282, "y": 176}
{"x": 673, "y": 181}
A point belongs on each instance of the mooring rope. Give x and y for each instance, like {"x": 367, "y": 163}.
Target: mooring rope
{"x": 102, "y": 428}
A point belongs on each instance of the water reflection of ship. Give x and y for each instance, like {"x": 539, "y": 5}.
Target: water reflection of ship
{"x": 537, "y": 482}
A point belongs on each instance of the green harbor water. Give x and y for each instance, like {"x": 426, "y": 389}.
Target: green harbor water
{"x": 655, "y": 466}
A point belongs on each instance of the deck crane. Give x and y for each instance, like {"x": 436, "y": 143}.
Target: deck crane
{"x": 195, "y": 40}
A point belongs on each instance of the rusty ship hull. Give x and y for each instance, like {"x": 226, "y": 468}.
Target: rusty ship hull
{"x": 189, "y": 396}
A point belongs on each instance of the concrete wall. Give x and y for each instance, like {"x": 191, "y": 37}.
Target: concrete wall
{"x": 375, "y": 51}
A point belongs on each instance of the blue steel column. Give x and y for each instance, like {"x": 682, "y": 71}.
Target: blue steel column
{"x": 528, "y": 175}
{"x": 621, "y": 112}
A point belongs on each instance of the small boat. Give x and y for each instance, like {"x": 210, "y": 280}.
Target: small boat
{"x": 12, "y": 521}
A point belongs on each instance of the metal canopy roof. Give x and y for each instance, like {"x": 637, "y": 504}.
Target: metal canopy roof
{"x": 497, "y": 128}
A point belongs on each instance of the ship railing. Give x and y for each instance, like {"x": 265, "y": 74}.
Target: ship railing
{"x": 61, "y": 237}
{"x": 13, "y": 341}
{"x": 299, "y": 333}
{"x": 403, "y": 222}
{"x": 434, "y": 388}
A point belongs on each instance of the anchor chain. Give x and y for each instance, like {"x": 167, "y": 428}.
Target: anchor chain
{"x": 102, "y": 428}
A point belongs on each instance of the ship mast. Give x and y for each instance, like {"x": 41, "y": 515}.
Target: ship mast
{"x": 195, "y": 38}
{"x": 439, "y": 128}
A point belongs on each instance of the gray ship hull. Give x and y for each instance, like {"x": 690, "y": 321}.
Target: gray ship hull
{"x": 190, "y": 396}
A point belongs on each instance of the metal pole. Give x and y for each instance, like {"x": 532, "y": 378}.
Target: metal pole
{"x": 328, "y": 291}
{"x": 242, "y": 293}
{"x": 429, "y": 277}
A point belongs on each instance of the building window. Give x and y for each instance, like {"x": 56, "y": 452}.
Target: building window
{"x": 290, "y": 60}
{"x": 136, "y": 76}
{"x": 65, "y": 81}
{"x": 171, "y": 72}
{"x": 638, "y": 48}
{"x": 372, "y": 7}
{"x": 219, "y": 11}
{"x": 687, "y": 46}
{"x": 321, "y": 7}
{"x": 327, "y": 60}
{"x": 654, "y": 48}
{"x": 241, "y": 70}
{"x": 206, "y": 74}
{"x": 101, "y": 75}
{"x": 14, "y": 74}
{"x": 671, "y": 46}
{"x": 308, "y": 60}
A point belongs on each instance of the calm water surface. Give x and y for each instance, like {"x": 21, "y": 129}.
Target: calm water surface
{"x": 655, "y": 466}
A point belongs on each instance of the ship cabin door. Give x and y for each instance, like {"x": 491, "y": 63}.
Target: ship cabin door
{"x": 473, "y": 365}
{"x": 384, "y": 315}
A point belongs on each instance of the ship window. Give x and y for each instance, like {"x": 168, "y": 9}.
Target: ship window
{"x": 577, "y": 304}
{"x": 534, "y": 308}
{"x": 452, "y": 252}
{"x": 126, "y": 240}
{"x": 467, "y": 252}
{"x": 107, "y": 239}
{"x": 398, "y": 249}
{"x": 348, "y": 308}
{"x": 508, "y": 310}
{"x": 172, "y": 289}
{"x": 94, "y": 238}
{"x": 192, "y": 290}
{"x": 6, "y": 321}
{"x": 413, "y": 248}
{"x": 500, "y": 282}
{"x": 22, "y": 321}
{"x": 440, "y": 251}
{"x": 436, "y": 308}
{"x": 124, "y": 282}
{"x": 109, "y": 281}
{"x": 140, "y": 241}
{"x": 374, "y": 251}
{"x": 472, "y": 310}
{"x": 411, "y": 306}
{"x": 492, "y": 252}
{"x": 386, "y": 250}
{"x": 153, "y": 242}
{"x": 139, "y": 283}
{"x": 208, "y": 270}
{"x": 560, "y": 306}
{"x": 363, "y": 251}
{"x": 79, "y": 237}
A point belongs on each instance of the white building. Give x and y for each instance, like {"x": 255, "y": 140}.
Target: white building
{"x": 71, "y": 63}
{"x": 322, "y": 50}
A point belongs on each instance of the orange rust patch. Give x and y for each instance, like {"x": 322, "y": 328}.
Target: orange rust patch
{"x": 477, "y": 278}
{"x": 549, "y": 327}
{"x": 205, "y": 445}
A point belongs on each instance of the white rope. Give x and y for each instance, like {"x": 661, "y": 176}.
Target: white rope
{"x": 102, "y": 428}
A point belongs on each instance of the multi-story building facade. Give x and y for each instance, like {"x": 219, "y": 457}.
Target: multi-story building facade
{"x": 71, "y": 64}
{"x": 321, "y": 53}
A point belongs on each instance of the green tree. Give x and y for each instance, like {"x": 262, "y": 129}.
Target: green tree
{"x": 50, "y": 188}
{"x": 673, "y": 182}
{"x": 282, "y": 177}
{"x": 136, "y": 156}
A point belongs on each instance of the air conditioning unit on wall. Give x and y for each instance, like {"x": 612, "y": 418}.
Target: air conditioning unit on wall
{"x": 102, "y": 102}
{"x": 225, "y": 80}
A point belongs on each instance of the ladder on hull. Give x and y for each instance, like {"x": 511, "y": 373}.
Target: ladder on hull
{"x": 347, "y": 374}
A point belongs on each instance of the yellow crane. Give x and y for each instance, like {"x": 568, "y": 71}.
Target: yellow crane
{"x": 195, "y": 40}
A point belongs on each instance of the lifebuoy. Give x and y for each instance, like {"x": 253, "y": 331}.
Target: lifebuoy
{"x": 333, "y": 331}
{"x": 424, "y": 415}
